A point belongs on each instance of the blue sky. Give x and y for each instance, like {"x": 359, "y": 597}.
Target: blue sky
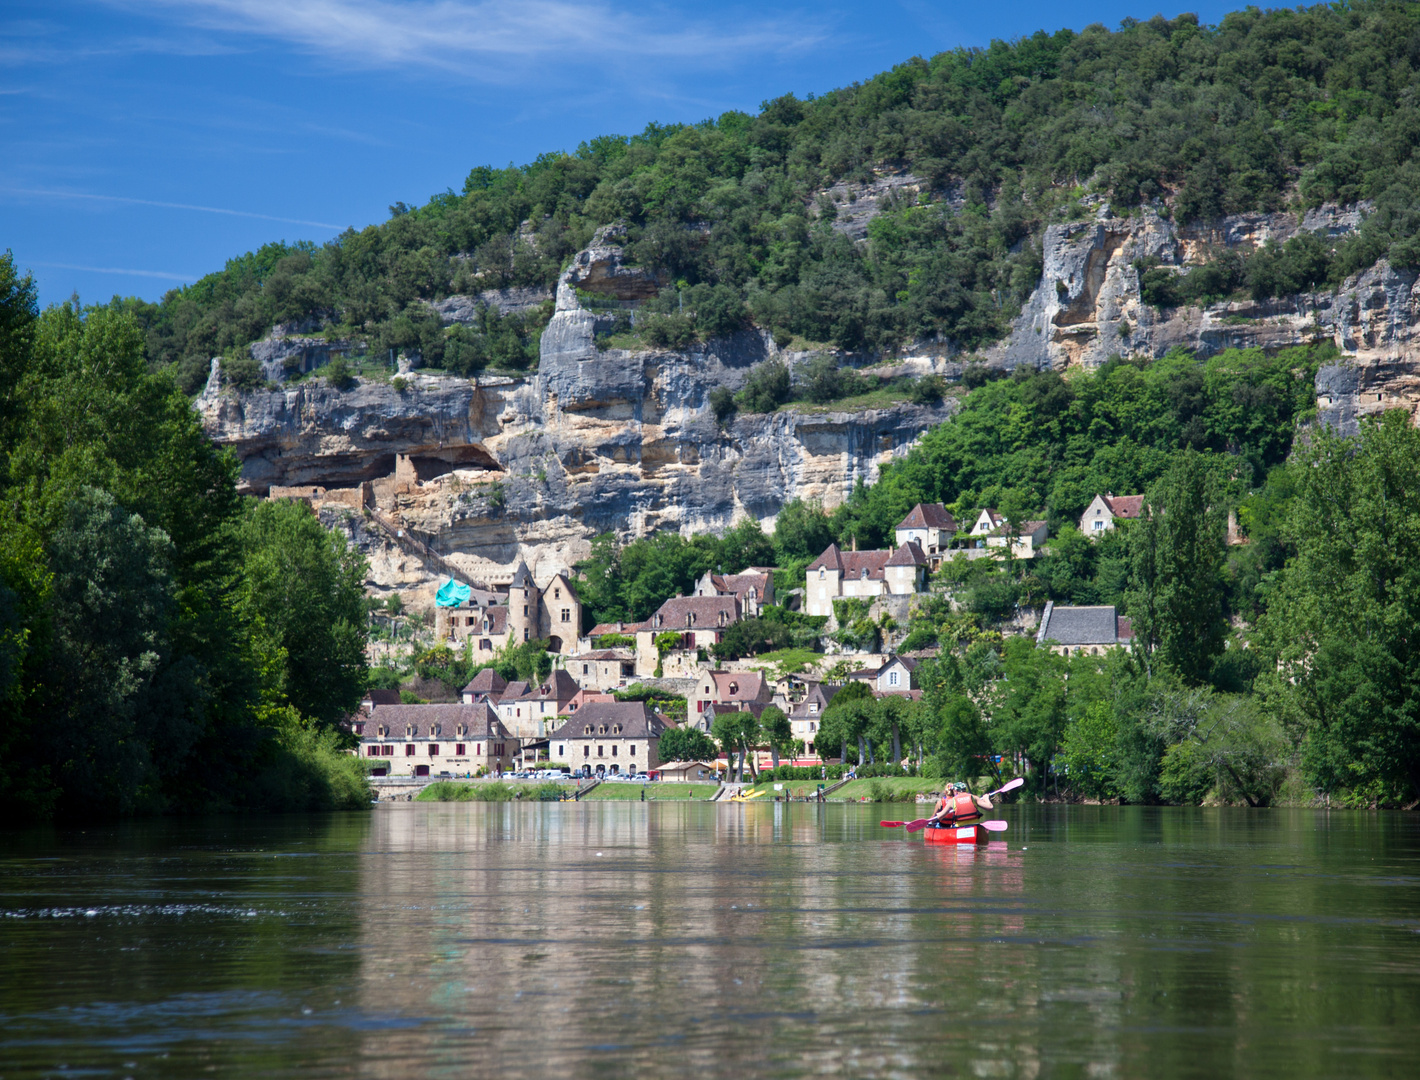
{"x": 145, "y": 142}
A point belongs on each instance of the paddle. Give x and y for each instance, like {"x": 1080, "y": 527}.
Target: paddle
{"x": 1010, "y": 786}
{"x": 990, "y": 826}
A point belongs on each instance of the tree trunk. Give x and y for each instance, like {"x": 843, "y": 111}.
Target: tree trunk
{"x": 860, "y": 751}
{"x": 774, "y": 755}
{"x": 843, "y": 753}
{"x": 896, "y": 746}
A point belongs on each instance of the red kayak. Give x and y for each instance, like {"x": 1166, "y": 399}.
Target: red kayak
{"x": 955, "y": 834}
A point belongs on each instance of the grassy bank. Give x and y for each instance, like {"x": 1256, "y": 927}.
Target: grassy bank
{"x": 614, "y": 792}
{"x": 880, "y": 789}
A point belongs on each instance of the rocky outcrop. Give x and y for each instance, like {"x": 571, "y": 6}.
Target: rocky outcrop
{"x": 1087, "y": 307}
{"x": 492, "y": 470}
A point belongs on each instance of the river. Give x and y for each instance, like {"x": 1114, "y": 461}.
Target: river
{"x": 673, "y": 939}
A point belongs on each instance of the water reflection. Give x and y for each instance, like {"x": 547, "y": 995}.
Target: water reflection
{"x": 669, "y": 939}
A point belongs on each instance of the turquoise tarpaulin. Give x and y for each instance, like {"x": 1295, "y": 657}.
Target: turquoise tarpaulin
{"x": 451, "y": 593}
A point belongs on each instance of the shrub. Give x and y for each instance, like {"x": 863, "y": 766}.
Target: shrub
{"x": 722, "y": 403}
{"x": 243, "y": 372}
{"x": 767, "y": 387}
{"x": 928, "y": 390}
{"x": 337, "y": 374}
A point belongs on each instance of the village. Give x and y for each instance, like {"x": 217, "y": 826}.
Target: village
{"x": 613, "y": 693}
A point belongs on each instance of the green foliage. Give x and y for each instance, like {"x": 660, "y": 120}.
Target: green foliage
{"x": 722, "y": 404}
{"x": 1341, "y": 622}
{"x": 767, "y": 387}
{"x": 153, "y": 654}
{"x": 243, "y": 372}
{"x": 304, "y": 588}
{"x": 1199, "y": 121}
{"x": 337, "y": 373}
{"x": 1038, "y": 439}
{"x": 686, "y": 744}
{"x": 1177, "y": 547}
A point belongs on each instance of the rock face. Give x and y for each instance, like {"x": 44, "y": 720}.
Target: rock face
{"x": 1087, "y": 307}
{"x": 489, "y": 471}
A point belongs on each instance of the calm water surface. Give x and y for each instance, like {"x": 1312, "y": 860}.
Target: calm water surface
{"x": 653, "y": 940}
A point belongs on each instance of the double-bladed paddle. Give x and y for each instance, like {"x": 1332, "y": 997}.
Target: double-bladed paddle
{"x": 921, "y": 823}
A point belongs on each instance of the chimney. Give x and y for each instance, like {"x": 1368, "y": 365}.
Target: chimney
{"x": 855, "y": 542}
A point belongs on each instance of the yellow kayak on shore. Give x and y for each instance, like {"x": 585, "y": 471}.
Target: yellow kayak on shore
{"x": 746, "y": 796}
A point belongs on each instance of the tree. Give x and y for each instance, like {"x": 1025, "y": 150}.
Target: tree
{"x": 767, "y": 387}
{"x": 686, "y": 744}
{"x": 1177, "y": 552}
{"x": 745, "y": 545}
{"x": 1342, "y": 625}
{"x": 774, "y": 724}
{"x": 801, "y": 531}
{"x": 303, "y": 591}
{"x": 737, "y": 733}
{"x": 846, "y": 719}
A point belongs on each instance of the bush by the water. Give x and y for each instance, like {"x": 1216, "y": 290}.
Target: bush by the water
{"x": 491, "y": 791}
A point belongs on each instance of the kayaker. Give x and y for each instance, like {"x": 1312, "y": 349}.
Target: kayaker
{"x": 957, "y": 804}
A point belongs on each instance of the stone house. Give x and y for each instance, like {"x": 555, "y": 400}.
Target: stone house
{"x": 805, "y": 716}
{"x": 530, "y": 712}
{"x": 754, "y": 588}
{"x": 896, "y": 674}
{"x": 608, "y": 738}
{"x": 992, "y": 530}
{"x": 733, "y": 688}
{"x": 836, "y": 575}
{"x": 603, "y": 669}
{"x": 931, "y": 527}
{"x": 551, "y": 612}
{"x": 436, "y": 740}
{"x": 700, "y": 621}
{"x": 1100, "y": 516}
{"x": 487, "y": 686}
{"x": 688, "y": 772}
{"x": 1091, "y": 630}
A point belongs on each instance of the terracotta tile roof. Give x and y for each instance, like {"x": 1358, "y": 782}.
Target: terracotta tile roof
{"x": 497, "y": 617}
{"x": 1124, "y": 627}
{"x": 831, "y": 559}
{"x": 929, "y": 516}
{"x": 607, "y": 654}
{"x": 434, "y": 721}
{"x": 695, "y": 613}
{"x": 740, "y": 584}
{"x": 737, "y": 685}
{"x": 1125, "y": 506}
{"x": 376, "y": 696}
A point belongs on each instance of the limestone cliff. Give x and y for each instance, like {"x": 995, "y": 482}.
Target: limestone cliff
{"x": 496, "y": 469}
{"x": 1087, "y": 307}
{"x": 491, "y": 470}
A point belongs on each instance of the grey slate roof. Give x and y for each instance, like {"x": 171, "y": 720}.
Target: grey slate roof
{"x": 1096, "y": 625}
{"x": 479, "y": 721}
{"x": 632, "y": 717}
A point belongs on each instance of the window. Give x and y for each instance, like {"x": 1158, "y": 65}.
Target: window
{"x": 566, "y": 614}
{"x": 525, "y": 609}
{"x": 613, "y": 750}
{"x": 387, "y": 751}
{"x": 813, "y": 706}
{"x": 478, "y": 749}
{"x": 382, "y": 731}
{"x": 373, "y": 751}
{"x": 820, "y": 573}
{"x": 1098, "y": 525}
{"x": 460, "y": 750}
{"x": 526, "y": 634}
{"x": 586, "y": 751}
{"x": 601, "y": 750}
{"x": 485, "y": 645}
{"x": 632, "y": 751}
{"x": 433, "y": 749}
{"x": 812, "y": 728}
{"x": 561, "y": 750}
{"x": 585, "y": 668}
{"x": 557, "y": 594}
{"x": 408, "y": 749}
{"x": 892, "y": 678}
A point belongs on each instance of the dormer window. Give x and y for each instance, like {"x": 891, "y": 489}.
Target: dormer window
{"x": 821, "y": 572}
{"x": 690, "y": 619}
{"x": 409, "y": 731}
{"x": 863, "y": 573}
{"x": 734, "y": 688}
{"x": 601, "y": 729}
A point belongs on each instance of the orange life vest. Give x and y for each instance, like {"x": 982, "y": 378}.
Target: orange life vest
{"x": 959, "y": 808}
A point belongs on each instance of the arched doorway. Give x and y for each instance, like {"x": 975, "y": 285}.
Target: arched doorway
{"x": 554, "y": 644}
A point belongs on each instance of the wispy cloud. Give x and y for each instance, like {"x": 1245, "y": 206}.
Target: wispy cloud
{"x": 478, "y": 38}
{"x": 53, "y": 194}
{"x": 120, "y": 271}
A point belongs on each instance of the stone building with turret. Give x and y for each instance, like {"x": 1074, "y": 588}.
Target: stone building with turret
{"x": 530, "y": 612}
